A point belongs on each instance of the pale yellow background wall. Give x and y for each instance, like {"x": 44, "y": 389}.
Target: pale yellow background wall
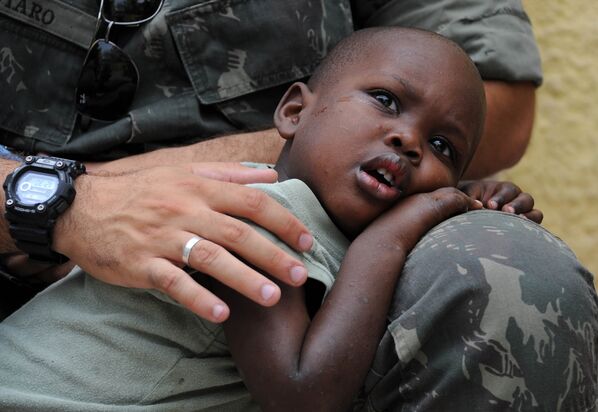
{"x": 560, "y": 167}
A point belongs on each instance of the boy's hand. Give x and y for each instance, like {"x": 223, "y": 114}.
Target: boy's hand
{"x": 503, "y": 196}
{"x": 412, "y": 217}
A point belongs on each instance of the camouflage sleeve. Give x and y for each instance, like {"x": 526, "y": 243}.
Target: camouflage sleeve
{"x": 491, "y": 313}
{"x": 497, "y": 34}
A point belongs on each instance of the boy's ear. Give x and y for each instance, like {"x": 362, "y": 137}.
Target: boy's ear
{"x": 290, "y": 108}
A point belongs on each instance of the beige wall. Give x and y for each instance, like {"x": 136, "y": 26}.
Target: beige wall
{"x": 560, "y": 167}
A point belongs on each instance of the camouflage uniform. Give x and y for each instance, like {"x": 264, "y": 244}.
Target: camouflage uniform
{"x": 491, "y": 312}
{"x": 190, "y": 92}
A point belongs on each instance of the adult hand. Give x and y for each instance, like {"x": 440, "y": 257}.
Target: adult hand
{"x": 130, "y": 230}
{"x": 503, "y": 196}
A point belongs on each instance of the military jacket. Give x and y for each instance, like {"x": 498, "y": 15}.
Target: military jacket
{"x": 213, "y": 67}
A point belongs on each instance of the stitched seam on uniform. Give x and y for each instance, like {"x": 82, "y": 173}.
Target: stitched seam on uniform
{"x": 306, "y": 67}
{"x": 157, "y": 384}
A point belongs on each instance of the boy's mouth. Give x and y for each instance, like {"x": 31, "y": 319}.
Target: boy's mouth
{"x": 384, "y": 177}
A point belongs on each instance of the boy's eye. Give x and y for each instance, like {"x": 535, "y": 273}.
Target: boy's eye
{"x": 442, "y": 146}
{"x": 386, "y": 99}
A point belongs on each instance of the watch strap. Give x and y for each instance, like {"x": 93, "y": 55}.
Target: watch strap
{"x": 33, "y": 235}
{"x": 36, "y": 242}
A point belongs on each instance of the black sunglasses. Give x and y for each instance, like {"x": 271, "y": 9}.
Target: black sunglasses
{"x": 109, "y": 77}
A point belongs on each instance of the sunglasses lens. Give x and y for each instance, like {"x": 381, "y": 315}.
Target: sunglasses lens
{"x": 108, "y": 82}
{"x": 130, "y": 11}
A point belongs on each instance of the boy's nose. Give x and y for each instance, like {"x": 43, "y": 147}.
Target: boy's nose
{"x": 407, "y": 143}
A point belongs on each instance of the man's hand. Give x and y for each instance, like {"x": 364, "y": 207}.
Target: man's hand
{"x": 130, "y": 230}
{"x": 503, "y": 196}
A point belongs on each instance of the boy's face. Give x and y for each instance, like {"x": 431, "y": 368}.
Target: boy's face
{"x": 404, "y": 119}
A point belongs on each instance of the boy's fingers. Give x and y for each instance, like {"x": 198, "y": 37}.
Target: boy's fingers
{"x": 523, "y": 203}
{"x": 475, "y": 204}
{"x": 534, "y": 215}
{"x": 505, "y": 193}
{"x": 493, "y": 204}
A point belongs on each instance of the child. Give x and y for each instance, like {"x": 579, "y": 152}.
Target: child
{"x": 375, "y": 142}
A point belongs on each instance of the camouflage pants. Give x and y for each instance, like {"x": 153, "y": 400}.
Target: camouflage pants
{"x": 491, "y": 313}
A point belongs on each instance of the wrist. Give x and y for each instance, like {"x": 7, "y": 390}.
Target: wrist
{"x": 37, "y": 193}
{"x": 66, "y": 226}
{"x": 383, "y": 245}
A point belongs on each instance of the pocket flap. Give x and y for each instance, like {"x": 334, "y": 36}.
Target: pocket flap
{"x": 234, "y": 47}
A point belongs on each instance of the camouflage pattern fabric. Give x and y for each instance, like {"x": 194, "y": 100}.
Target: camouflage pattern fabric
{"x": 213, "y": 67}
{"x": 491, "y": 313}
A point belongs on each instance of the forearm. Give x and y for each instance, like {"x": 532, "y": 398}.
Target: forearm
{"x": 263, "y": 146}
{"x": 318, "y": 364}
{"x": 342, "y": 339}
{"x": 509, "y": 122}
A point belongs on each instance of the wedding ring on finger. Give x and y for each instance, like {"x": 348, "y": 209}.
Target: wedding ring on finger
{"x": 189, "y": 247}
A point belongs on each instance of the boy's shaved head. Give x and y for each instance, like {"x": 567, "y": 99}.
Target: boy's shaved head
{"x": 389, "y": 113}
{"x": 367, "y": 44}
{"x": 352, "y": 48}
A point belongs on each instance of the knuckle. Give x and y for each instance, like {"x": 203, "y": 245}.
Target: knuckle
{"x": 164, "y": 207}
{"x": 205, "y": 253}
{"x": 526, "y": 197}
{"x": 510, "y": 188}
{"x": 290, "y": 225}
{"x": 277, "y": 257}
{"x": 255, "y": 200}
{"x": 453, "y": 201}
{"x": 235, "y": 231}
{"x": 164, "y": 281}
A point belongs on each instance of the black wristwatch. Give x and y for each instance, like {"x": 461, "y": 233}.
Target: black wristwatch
{"x": 36, "y": 194}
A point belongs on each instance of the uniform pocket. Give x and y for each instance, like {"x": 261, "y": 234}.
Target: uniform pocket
{"x": 40, "y": 65}
{"x": 234, "y": 47}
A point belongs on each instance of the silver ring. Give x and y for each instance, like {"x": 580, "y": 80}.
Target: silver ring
{"x": 189, "y": 247}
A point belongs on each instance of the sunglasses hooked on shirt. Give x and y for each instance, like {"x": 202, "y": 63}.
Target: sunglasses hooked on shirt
{"x": 109, "y": 77}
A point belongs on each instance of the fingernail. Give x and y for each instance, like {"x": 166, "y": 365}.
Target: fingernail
{"x": 298, "y": 274}
{"x": 492, "y": 204}
{"x": 509, "y": 209}
{"x": 305, "y": 242}
{"x": 217, "y": 311}
{"x": 268, "y": 291}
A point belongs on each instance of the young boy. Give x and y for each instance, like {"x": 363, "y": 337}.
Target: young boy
{"x": 375, "y": 142}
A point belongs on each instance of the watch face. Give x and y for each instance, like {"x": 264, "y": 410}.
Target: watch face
{"x": 35, "y": 187}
